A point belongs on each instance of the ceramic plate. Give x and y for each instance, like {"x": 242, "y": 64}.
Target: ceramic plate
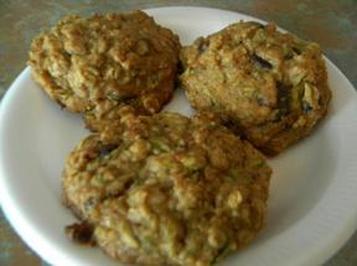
{"x": 313, "y": 203}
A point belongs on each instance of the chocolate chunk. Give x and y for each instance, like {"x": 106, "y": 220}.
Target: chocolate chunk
{"x": 81, "y": 233}
{"x": 262, "y": 63}
{"x": 296, "y": 50}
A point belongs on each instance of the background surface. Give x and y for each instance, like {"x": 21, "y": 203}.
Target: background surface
{"x": 331, "y": 23}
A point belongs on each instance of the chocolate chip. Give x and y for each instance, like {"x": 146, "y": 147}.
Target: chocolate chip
{"x": 105, "y": 150}
{"x": 81, "y": 233}
{"x": 296, "y": 50}
{"x": 260, "y": 62}
{"x": 283, "y": 100}
{"x": 202, "y": 45}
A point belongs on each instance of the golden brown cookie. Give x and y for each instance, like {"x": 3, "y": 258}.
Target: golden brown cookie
{"x": 166, "y": 189}
{"x": 97, "y": 64}
{"x": 269, "y": 86}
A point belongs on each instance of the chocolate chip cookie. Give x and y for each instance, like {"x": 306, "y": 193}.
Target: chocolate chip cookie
{"x": 166, "y": 189}
{"x": 270, "y": 86}
{"x": 98, "y": 64}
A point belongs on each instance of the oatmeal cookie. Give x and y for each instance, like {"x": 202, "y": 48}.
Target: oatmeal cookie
{"x": 166, "y": 189}
{"x": 269, "y": 86}
{"x": 98, "y": 64}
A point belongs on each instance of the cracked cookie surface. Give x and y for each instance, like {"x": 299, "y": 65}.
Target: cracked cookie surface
{"x": 166, "y": 190}
{"x": 98, "y": 64}
{"x": 268, "y": 85}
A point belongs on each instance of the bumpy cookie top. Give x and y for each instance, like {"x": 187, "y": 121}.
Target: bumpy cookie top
{"x": 94, "y": 64}
{"x": 168, "y": 189}
{"x": 265, "y": 81}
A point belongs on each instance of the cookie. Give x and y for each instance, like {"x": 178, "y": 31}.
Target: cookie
{"x": 166, "y": 189}
{"x": 98, "y": 64}
{"x": 271, "y": 87}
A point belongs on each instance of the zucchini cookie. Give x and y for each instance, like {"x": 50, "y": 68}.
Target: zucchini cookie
{"x": 269, "y": 86}
{"x": 98, "y": 64}
{"x": 166, "y": 189}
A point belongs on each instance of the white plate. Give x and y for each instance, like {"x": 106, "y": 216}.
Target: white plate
{"x": 313, "y": 203}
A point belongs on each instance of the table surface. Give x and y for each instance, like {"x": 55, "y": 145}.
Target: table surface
{"x": 330, "y": 23}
